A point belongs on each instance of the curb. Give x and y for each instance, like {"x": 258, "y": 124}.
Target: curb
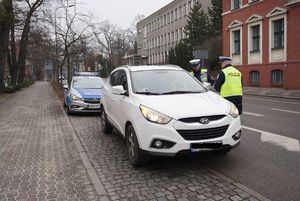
{"x": 96, "y": 181}
{"x": 239, "y": 185}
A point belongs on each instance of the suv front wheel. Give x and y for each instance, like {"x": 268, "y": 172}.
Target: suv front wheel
{"x": 135, "y": 155}
{"x": 105, "y": 126}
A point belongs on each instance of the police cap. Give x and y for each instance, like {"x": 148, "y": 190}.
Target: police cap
{"x": 195, "y": 62}
{"x": 224, "y": 58}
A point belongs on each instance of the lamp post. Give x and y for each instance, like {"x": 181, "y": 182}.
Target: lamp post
{"x": 56, "y": 48}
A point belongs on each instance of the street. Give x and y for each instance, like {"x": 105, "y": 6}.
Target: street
{"x": 262, "y": 164}
{"x": 39, "y": 160}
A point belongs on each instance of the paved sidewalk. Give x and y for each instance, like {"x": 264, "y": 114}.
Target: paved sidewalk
{"x": 39, "y": 159}
{"x": 272, "y": 92}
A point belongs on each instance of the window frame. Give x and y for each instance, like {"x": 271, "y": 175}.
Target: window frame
{"x": 254, "y": 74}
{"x": 280, "y": 77}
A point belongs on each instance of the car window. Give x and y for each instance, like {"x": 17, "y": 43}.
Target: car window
{"x": 87, "y": 82}
{"x": 119, "y": 78}
{"x": 164, "y": 81}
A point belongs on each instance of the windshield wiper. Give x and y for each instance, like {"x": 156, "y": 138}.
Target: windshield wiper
{"x": 181, "y": 92}
{"x": 147, "y": 93}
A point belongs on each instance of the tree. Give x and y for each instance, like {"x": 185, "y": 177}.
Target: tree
{"x": 24, "y": 41}
{"x": 215, "y": 16}
{"x": 183, "y": 54}
{"x": 6, "y": 18}
{"x": 197, "y": 28}
{"x": 172, "y": 56}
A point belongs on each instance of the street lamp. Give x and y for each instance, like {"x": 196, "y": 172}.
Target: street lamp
{"x": 56, "y": 48}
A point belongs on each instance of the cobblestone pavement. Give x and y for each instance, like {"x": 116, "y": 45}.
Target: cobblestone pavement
{"x": 39, "y": 160}
{"x": 182, "y": 178}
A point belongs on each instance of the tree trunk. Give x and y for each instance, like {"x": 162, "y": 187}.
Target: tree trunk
{"x": 23, "y": 49}
{"x": 70, "y": 73}
{"x": 13, "y": 58}
{"x": 4, "y": 35}
{"x": 4, "y": 31}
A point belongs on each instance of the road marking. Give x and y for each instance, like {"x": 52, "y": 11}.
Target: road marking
{"x": 288, "y": 143}
{"x": 280, "y": 110}
{"x": 272, "y": 100}
{"x": 253, "y": 114}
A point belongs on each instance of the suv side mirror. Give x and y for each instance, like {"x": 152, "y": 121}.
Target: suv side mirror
{"x": 207, "y": 85}
{"x": 118, "y": 90}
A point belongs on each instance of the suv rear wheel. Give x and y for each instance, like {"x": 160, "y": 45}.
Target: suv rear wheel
{"x": 105, "y": 126}
{"x": 135, "y": 155}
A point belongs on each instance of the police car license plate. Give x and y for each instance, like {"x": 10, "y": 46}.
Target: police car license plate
{"x": 197, "y": 147}
{"x": 93, "y": 106}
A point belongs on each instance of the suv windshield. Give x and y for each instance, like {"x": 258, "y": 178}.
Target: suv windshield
{"x": 87, "y": 82}
{"x": 159, "y": 82}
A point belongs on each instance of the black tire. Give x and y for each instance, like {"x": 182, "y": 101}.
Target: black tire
{"x": 135, "y": 155}
{"x": 69, "y": 112}
{"x": 105, "y": 126}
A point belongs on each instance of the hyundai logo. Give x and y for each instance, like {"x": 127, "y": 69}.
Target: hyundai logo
{"x": 204, "y": 121}
{"x": 95, "y": 99}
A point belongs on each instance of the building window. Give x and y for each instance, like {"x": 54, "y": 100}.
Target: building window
{"x": 172, "y": 16}
{"x": 278, "y": 33}
{"x": 255, "y": 38}
{"x": 254, "y": 77}
{"x": 189, "y": 6}
{"x": 180, "y": 11}
{"x": 277, "y": 76}
{"x": 168, "y": 18}
{"x": 176, "y": 14}
{"x": 237, "y": 42}
{"x": 236, "y": 4}
{"x": 184, "y": 9}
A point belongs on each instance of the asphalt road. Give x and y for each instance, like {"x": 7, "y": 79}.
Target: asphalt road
{"x": 268, "y": 159}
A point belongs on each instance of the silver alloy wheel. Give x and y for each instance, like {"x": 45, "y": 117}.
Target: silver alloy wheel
{"x": 102, "y": 120}
{"x": 131, "y": 146}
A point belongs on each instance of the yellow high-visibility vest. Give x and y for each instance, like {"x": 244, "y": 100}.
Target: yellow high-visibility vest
{"x": 203, "y": 70}
{"x": 233, "y": 82}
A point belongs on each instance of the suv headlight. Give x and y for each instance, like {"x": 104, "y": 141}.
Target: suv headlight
{"x": 234, "y": 112}
{"x": 74, "y": 97}
{"x": 154, "y": 116}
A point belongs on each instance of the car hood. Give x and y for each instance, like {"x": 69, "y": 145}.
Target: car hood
{"x": 187, "y": 105}
{"x": 88, "y": 93}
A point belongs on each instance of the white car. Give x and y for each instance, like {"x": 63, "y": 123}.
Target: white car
{"x": 163, "y": 110}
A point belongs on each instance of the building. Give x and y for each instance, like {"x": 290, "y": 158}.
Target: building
{"x": 162, "y": 30}
{"x": 262, "y": 37}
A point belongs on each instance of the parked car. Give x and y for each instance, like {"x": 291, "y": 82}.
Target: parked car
{"x": 83, "y": 95}
{"x": 164, "y": 111}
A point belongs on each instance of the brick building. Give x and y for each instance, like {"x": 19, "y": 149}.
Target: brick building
{"x": 263, "y": 39}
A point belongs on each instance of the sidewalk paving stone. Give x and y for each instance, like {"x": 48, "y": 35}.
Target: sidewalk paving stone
{"x": 39, "y": 160}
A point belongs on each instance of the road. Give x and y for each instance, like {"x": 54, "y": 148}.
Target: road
{"x": 268, "y": 159}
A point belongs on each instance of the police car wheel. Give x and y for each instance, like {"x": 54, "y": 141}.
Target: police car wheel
{"x": 135, "y": 155}
{"x": 105, "y": 126}
{"x": 69, "y": 112}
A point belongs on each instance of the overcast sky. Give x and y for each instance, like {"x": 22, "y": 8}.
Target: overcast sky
{"x": 122, "y": 12}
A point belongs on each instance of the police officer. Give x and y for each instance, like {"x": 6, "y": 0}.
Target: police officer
{"x": 199, "y": 72}
{"x": 230, "y": 84}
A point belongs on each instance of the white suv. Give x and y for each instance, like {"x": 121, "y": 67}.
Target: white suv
{"x": 163, "y": 110}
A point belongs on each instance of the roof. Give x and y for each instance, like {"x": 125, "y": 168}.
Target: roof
{"x": 154, "y": 67}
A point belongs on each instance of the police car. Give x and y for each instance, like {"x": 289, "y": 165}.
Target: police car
{"x": 84, "y": 94}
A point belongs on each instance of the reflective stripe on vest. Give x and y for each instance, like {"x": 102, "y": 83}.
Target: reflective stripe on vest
{"x": 233, "y": 83}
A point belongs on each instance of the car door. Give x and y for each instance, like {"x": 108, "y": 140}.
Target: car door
{"x": 108, "y": 99}
{"x": 120, "y": 102}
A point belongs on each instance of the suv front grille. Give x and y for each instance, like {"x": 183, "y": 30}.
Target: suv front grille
{"x": 203, "y": 134}
{"x": 197, "y": 119}
{"x": 92, "y": 100}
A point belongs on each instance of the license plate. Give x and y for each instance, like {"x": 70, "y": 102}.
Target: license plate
{"x": 93, "y": 106}
{"x": 196, "y": 147}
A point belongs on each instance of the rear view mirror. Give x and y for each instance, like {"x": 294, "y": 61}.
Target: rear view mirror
{"x": 66, "y": 88}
